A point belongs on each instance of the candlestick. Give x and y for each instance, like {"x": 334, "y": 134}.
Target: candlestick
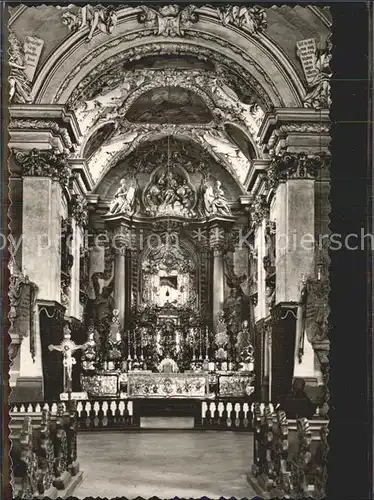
{"x": 201, "y": 354}
{"x": 206, "y": 344}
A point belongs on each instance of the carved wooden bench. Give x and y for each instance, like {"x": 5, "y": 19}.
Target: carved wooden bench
{"x": 290, "y": 456}
{"x": 43, "y": 453}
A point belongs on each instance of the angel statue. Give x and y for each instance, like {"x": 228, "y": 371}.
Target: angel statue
{"x": 124, "y": 199}
{"x": 95, "y": 17}
{"x": 19, "y": 84}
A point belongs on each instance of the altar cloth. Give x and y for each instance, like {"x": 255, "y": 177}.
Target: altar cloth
{"x": 148, "y": 385}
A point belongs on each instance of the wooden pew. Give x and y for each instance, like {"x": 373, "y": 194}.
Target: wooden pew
{"x": 44, "y": 453}
{"x": 290, "y": 456}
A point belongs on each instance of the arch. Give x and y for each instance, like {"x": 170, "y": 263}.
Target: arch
{"x": 108, "y": 180}
{"x": 272, "y": 74}
{"x": 155, "y": 136}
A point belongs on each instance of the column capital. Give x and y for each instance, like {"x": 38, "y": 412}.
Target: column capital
{"x": 286, "y": 166}
{"x": 44, "y": 163}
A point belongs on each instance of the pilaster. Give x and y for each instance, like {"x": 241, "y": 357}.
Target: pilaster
{"x": 40, "y": 138}
{"x": 292, "y": 177}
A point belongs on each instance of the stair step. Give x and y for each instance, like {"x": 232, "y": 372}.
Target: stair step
{"x": 166, "y": 422}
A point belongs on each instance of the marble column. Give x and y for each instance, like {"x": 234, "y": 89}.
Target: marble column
{"x": 74, "y": 308}
{"x": 79, "y": 216}
{"x": 260, "y": 214}
{"x": 216, "y": 243}
{"x": 218, "y": 283}
{"x": 120, "y": 284}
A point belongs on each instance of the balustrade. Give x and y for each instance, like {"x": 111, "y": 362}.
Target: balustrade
{"x": 118, "y": 414}
{"x": 231, "y": 414}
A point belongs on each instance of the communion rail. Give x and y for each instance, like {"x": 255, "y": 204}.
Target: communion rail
{"x": 289, "y": 456}
{"x": 232, "y": 414}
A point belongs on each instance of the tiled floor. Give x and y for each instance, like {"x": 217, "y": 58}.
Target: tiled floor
{"x": 165, "y": 464}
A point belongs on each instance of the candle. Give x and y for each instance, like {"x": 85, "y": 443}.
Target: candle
{"x": 206, "y": 344}
{"x": 200, "y": 346}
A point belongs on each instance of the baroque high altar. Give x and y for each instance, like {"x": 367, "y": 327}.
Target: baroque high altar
{"x": 156, "y": 173}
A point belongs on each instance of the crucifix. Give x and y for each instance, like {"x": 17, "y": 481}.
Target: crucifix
{"x": 67, "y": 347}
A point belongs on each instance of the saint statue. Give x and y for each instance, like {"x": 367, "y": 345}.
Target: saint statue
{"x": 19, "y": 84}
{"x": 214, "y": 201}
{"x": 244, "y": 347}
{"x": 123, "y": 200}
{"x": 102, "y": 306}
{"x": 233, "y": 308}
{"x": 319, "y": 95}
{"x": 89, "y": 355}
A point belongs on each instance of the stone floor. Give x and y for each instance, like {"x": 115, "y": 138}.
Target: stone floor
{"x": 165, "y": 464}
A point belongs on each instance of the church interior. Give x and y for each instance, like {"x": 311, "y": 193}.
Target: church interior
{"x": 169, "y": 186}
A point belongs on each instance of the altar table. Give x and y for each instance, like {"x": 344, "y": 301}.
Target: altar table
{"x": 156, "y": 385}
{"x": 146, "y": 384}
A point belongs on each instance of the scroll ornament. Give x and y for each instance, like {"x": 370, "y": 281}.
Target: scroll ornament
{"x": 168, "y": 20}
{"x": 44, "y": 163}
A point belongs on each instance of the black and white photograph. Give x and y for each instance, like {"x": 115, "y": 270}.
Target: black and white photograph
{"x": 169, "y": 177}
